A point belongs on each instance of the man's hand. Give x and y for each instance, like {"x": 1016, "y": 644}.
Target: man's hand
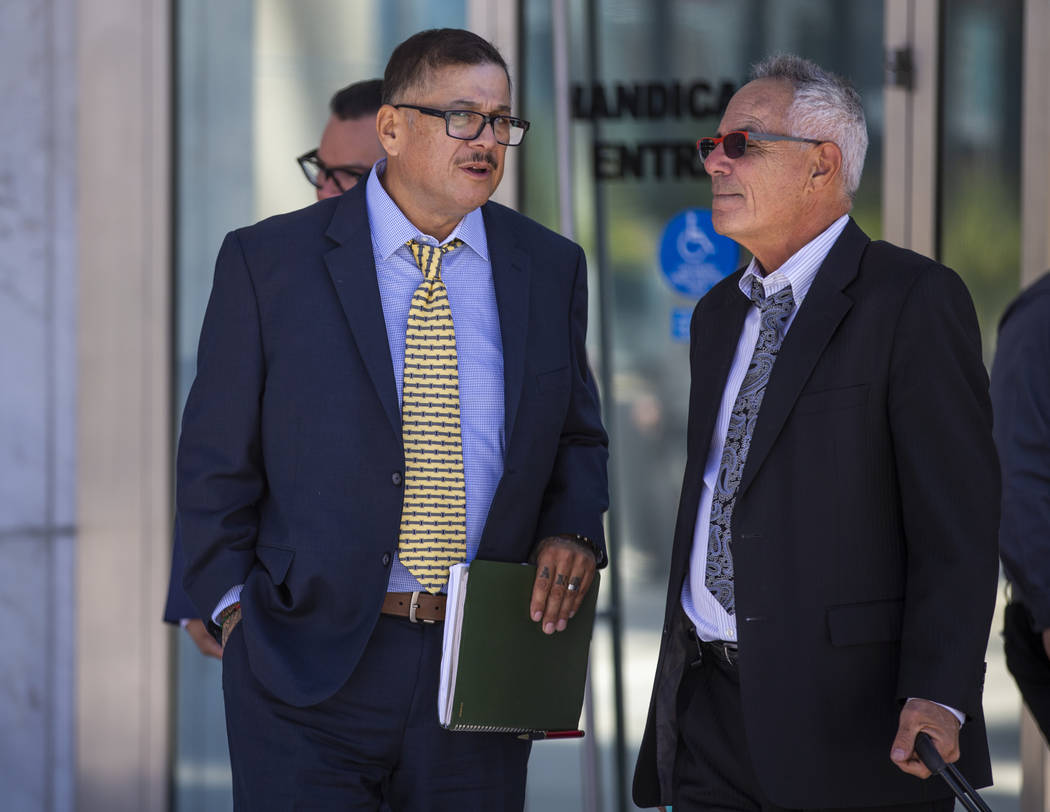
{"x": 1046, "y": 642}
{"x": 205, "y": 642}
{"x": 564, "y": 571}
{"x": 933, "y": 720}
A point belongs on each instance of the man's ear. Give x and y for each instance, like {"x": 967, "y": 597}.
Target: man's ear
{"x": 390, "y": 124}
{"x": 826, "y": 165}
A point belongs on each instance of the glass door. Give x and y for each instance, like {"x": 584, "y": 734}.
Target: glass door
{"x": 647, "y": 80}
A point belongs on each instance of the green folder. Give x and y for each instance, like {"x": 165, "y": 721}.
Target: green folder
{"x": 499, "y": 671}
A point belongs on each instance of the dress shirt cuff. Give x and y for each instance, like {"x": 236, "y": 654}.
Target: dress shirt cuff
{"x": 957, "y": 714}
{"x": 228, "y": 599}
{"x": 184, "y": 622}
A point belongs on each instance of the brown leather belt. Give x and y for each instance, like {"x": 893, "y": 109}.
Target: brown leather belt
{"x": 416, "y": 606}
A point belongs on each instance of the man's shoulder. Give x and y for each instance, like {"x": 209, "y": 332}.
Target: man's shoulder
{"x": 312, "y": 219}
{"x": 529, "y": 234}
{"x": 895, "y": 258}
{"x": 1032, "y": 303}
{"x": 892, "y": 265}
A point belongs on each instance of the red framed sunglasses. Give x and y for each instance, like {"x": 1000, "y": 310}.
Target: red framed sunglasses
{"x": 735, "y": 143}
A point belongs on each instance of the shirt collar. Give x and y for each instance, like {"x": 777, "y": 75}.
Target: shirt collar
{"x": 391, "y": 229}
{"x": 800, "y": 269}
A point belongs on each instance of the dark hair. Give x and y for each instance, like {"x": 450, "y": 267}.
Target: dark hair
{"x": 357, "y": 100}
{"x": 412, "y": 61}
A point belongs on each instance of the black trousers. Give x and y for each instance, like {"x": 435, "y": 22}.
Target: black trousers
{"x": 1027, "y": 661}
{"x": 713, "y": 770}
{"x": 375, "y": 745}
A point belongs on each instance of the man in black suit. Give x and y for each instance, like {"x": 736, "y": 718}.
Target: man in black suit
{"x": 388, "y": 381}
{"x": 1021, "y": 396}
{"x": 834, "y": 566}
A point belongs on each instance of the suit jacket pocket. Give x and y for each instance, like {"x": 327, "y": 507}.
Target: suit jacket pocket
{"x": 275, "y": 560}
{"x": 854, "y": 624}
{"x": 555, "y": 379}
{"x": 830, "y": 400}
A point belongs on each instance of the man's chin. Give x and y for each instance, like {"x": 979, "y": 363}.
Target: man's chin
{"x": 478, "y": 194}
{"x": 722, "y": 223}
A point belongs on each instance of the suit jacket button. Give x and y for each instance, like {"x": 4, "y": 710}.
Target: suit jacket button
{"x": 386, "y": 559}
{"x": 396, "y": 477}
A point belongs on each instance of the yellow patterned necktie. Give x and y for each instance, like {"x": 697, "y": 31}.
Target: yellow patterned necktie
{"x": 434, "y": 514}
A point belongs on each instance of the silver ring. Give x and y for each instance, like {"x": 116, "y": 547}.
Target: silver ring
{"x": 572, "y": 587}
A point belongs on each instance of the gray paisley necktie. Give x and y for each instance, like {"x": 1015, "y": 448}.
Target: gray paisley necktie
{"x": 775, "y": 312}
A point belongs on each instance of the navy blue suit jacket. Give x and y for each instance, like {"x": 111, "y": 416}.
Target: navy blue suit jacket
{"x": 290, "y": 460}
{"x": 864, "y": 531}
{"x": 1021, "y": 395}
{"x": 178, "y": 606}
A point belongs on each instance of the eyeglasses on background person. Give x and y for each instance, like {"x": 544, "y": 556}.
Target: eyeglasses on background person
{"x": 317, "y": 172}
{"x": 735, "y": 143}
{"x": 467, "y": 125}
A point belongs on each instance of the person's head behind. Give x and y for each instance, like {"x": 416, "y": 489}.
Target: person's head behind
{"x": 777, "y": 194}
{"x": 349, "y": 144}
{"x": 436, "y": 170}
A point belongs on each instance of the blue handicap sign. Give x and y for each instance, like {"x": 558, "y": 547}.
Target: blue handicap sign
{"x": 693, "y": 258}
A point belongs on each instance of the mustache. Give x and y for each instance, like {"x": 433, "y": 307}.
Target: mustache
{"x": 480, "y": 157}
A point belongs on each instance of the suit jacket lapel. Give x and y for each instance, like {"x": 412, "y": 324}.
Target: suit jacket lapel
{"x": 824, "y": 308}
{"x": 351, "y": 266}
{"x": 510, "y": 277}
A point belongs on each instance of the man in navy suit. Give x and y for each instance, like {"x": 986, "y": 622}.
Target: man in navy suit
{"x": 292, "y": 464}
{"x": 1021, "y": 396}
{"x": 349, "y": 146}
{"x": 834, "y": 565}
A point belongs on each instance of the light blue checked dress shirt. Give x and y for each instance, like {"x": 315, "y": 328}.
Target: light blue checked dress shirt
{"x": 467, "y": 273}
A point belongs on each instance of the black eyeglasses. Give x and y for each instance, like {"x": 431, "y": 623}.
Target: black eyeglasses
{"x": 317, "y": 172}
{"x": 466, "y": 125}
{"x": 735, "y": 143}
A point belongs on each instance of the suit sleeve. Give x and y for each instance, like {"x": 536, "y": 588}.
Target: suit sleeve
{"x": 220, "y": 477}
{"x": 577, "y": 492}
{"x": 1021, "y": 394}
{"x": 178, "y": 606}
{"x": 948, "y": 474}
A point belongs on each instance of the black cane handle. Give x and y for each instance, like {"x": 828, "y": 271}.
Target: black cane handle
{"x": 966, "y": 794}
{"x": 927, "y": 751}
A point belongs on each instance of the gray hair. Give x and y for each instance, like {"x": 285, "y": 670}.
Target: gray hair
{"x": 825, "y": 106}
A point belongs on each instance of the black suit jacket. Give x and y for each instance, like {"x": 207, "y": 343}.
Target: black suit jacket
{"x": 864, "y": 531}
{"x": 290, "y": 459}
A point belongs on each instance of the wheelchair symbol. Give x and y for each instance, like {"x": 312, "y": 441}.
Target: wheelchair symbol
{"x": 694, "y": 246}
{"x": 693, "y": 257}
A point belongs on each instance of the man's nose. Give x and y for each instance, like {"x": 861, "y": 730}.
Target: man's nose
{"x": 486, "y": 138}
{"x": 716, "y": 163}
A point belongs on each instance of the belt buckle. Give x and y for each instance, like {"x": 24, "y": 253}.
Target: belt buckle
{"x": 412, "y": 609}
